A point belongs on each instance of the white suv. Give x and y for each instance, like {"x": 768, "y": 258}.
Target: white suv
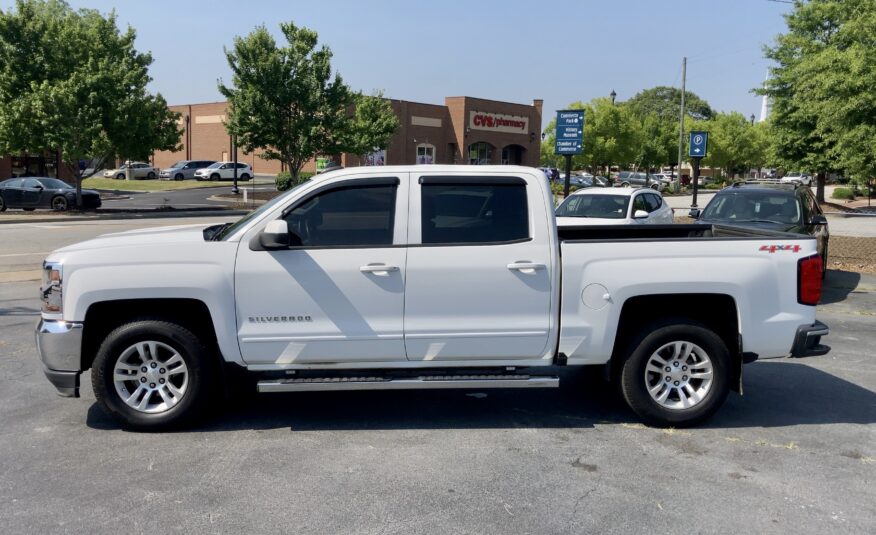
{"x": 224, "y": 171}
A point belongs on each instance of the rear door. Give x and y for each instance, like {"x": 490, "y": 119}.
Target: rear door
{"x": 12, "y": 193}
{"x": 478, "y": 282}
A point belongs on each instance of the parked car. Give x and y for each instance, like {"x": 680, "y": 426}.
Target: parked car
{"x": 551, "y": 172}
{"x": 139, "y": 170}
{"x": 224, "y": 171}
{"x": 41, "y": 192}
{"x": 615, "y": 206}
{"x": 627, "y": 179}
{"x": 184, "y": 169}
{"x": 785, "y": 208}
{"x": 797, "y": 178}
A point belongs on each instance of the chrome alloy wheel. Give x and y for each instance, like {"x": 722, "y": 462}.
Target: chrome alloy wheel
{"x": 151, "y": 377}
{"x": 678, "y": 375}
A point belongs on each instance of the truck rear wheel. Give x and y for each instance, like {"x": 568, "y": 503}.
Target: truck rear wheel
{"x": 152, "y": 375}
{"x": 676, "y": 374}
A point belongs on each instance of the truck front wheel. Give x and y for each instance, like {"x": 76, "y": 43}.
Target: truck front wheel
{"x": 152, "y": 375}
{"x": 676, "y": 374}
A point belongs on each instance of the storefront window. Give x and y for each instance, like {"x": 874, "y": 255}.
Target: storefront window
{"x": 28, "y": 165}
{"x": 480, "y": 153}
{"x": 425, "y": 153}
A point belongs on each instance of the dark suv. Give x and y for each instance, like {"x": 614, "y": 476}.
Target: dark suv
{"x": 787, "y": 208}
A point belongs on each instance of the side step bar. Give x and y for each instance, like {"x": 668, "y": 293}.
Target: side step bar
{"x": 417, "y": 383}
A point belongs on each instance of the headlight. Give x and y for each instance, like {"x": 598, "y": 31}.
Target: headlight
{"x": 50, "y": 290}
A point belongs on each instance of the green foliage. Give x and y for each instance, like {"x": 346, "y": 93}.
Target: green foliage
{"x": 374, "y": 124}
{"x": 843, "y": 193}
{"x": 735, "y": 145}
{"x": 824, "y": 113}
{"x": 665, "y": 103}
{"x": 285, "y": 100}
{"x": 285, "y": 181}
{"x": 71, "y": 81}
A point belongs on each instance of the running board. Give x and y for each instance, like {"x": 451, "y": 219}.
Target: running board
{"x": 418, "y": 383}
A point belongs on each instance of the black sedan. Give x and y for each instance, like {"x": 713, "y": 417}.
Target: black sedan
{"x": 785, "y": 208}
{"x": 31, "y": 193}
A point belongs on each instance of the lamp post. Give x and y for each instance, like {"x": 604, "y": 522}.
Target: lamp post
{"x": 234, "y": 189}
{"x": 613, "y": 96}
{"x": 752, "y": 119}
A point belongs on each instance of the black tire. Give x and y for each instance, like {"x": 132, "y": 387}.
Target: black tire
{"x": 632, "y": 376}
{"x": 2, "y": 204}
{"x": 59, "y": 203}
{"x": 120, "y": 176}
{"x": 214, "y": 177}
{"x": 245, "y": 177}
{"x": 151, "y": 175}
{"x": 201, "y": 375}
{"x": 179, "y": 176}
{"x": 625, "y": 184}
{"x": 655, "y": 187}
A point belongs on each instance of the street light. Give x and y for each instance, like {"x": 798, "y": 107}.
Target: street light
{"x": 613, "y": 96}
{"x": 752, "y": 119}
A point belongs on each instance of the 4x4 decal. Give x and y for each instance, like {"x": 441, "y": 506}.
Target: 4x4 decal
{"x": 774, "y": 248}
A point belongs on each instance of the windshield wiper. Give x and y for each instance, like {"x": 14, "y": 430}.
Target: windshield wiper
{"x": 758, "y": 221}
{"x": 216, "y": 231}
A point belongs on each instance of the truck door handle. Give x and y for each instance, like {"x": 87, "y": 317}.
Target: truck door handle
{"x": 378, "y": 269}
{"x": 525, "y": 266}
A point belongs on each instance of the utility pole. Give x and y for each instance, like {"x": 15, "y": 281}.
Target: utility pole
{"x": 681, "y": 122}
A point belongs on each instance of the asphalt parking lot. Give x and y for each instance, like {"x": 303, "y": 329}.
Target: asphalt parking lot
{"x": 796, "y": 453}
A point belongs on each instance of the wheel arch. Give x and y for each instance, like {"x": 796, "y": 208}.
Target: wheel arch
{"x": 103, "y": 317}
{"x": 718, "y": 312}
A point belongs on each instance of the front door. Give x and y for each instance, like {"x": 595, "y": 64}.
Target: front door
{"x": 31, "y": 192}
{"x": 337, "y": 298}
{"x": 478, "y": 284}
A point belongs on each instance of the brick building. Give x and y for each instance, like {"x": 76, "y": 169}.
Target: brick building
{"x": 463, "y": 130}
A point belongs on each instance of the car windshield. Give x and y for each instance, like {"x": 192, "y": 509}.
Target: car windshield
{"x": 760, "y": 206}
{"x": 599, "y": 206}
{"x": 216, "y": 165}
{"x": 179, "y": 164}
{"x": 54, "y": 183}
{"x": 232, "y": 228}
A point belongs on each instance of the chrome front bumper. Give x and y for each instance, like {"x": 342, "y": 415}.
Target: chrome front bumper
{"x": 60, "y": 346}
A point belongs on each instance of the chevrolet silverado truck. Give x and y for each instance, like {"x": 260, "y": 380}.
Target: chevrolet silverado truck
{"x": 421, "y": 277}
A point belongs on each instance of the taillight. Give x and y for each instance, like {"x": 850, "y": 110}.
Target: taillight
{"x": 809, "y": 280}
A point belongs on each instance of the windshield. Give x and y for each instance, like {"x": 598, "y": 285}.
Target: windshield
{"x": 601, "y": 206}
{"x": 54, "y": 183}
{"x": 232, "y": 228}
{"x": 179, "y": 164}
{"x": 216, "y": 165}
{"x": 740, "y": 207}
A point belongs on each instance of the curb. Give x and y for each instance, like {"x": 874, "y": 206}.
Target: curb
{"x": 219, "y": 198}
{"x": 128, "y": 215}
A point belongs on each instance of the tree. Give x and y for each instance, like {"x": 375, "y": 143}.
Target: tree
{"x": 734, "y": 144}
{"x": 658, "y": 145}
{"x": 374, "y": 124}
{"x": 71, "y": 82}
{"x": 823, "y": 114}
{"x": 665, "y": 102}
{"x": 285, "y": 100}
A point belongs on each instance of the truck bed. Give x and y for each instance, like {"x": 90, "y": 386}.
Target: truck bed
{"x": 666, "y": 232}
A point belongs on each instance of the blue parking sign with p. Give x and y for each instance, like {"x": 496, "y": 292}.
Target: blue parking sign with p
{"x": 699, "y": 142}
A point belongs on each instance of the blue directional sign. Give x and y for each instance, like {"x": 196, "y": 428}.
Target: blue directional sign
{"x": 570, "y": 132}
{"x": 699, "y": 142}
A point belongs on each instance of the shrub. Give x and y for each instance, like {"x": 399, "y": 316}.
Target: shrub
{"x": 843, "y": 193}
{"x": 284, "y": 179}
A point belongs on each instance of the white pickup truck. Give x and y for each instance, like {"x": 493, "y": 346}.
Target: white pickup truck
{"x": 422, "y": 277}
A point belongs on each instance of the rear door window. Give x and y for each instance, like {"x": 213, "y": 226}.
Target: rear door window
{"x": 468, "y": 212}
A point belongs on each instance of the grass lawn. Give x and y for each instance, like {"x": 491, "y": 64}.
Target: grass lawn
{"x": 149, "y": 185}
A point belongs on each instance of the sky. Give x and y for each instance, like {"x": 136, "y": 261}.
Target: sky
{"x": 517, "y": 51}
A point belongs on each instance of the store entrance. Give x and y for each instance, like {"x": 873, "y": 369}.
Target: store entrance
{"x": 512, "y": 155}
{"x": 30, "y": 165}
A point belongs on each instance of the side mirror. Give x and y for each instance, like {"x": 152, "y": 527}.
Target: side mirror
{"x": 640, "y": 214}
{"x": 694, "y": 213}
{"x": 818, "y": 220}
{"x": 276, "y": 235}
